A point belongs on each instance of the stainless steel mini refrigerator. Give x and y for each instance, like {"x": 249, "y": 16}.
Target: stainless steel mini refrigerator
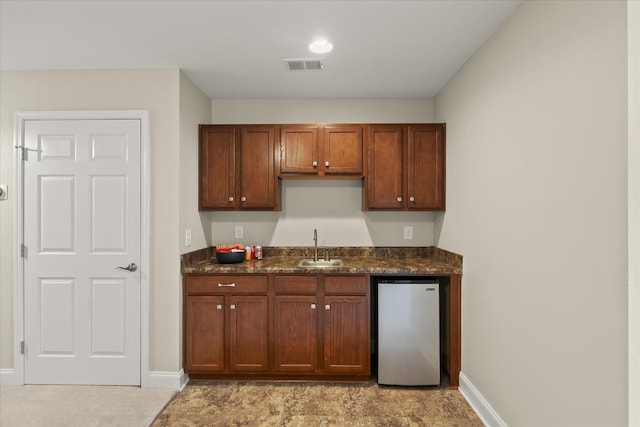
{"x": 408, "y": 332}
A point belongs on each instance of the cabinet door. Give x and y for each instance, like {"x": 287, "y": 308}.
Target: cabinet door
{"x": 343, "y": 150}
{"x": 346, "y": 335}
{"x": 248, "y": 333}
{"x": 295, "y": 326}
{"x": 257, "y": 186}
{"x": 299, "y": 149}
{"x": 384, "y": 181}
{"x": 217, "y": 167}
{"x": 204, "y": 334}
{"x": 425, "y": 166}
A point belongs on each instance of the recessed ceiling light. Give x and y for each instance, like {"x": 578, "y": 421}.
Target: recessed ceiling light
{"x": 320, "y": 46}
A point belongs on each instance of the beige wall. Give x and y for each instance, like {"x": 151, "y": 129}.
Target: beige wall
{"x": 633, "y": 159}
{"x": 156, "y": 91}
{"x": 537, "y": 204}
{"x": 333, "y": 207}
{"x": 195, "y": 108}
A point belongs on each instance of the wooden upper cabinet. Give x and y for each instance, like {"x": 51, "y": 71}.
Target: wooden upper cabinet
{"x": 321, "y": 150}
{"x": 217, "y": 167}
{"x": 343, "y": 150}
{"x": 257, "y": 178}
{"x": 425, "y": 167}
{"x": 385, "y": 177}
{"x": 299, "y": 149}
{"x": 405, "y": 167}
{"x": 238, "y": 167}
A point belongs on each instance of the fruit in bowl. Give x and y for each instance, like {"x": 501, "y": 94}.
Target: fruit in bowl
{"x": 230, "y": 254}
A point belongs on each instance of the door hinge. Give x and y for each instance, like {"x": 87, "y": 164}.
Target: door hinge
{"x": 25, "y": 152}
{"x": 23, "y": 251}
{"x": 21, "y": 347}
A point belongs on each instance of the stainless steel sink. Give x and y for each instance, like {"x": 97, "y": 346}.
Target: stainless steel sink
{"x": 309, "y": 263}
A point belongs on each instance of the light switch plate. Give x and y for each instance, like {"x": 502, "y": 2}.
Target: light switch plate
{"x": 239, "y": 232}
{"x": 408, "y": 232}
{"x": 187, "y": 237}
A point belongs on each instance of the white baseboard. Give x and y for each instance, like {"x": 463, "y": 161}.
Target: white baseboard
{"x": 485, "y": 412}
{"x": 155, "y": 379}
{"x": 7, "y": 377}
{"x": 170, "y": 380}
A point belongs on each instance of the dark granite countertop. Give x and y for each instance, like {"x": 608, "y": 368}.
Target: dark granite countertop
{"x": 363, "y": 260}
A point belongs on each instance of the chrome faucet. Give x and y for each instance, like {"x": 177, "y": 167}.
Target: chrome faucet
{"x": 315, "y": 244}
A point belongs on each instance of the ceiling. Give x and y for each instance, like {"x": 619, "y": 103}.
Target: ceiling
{"x": 235, "y": 49}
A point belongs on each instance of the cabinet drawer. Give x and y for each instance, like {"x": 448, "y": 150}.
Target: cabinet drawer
{"x": 296, "y": 284}
{"x": 346, "y": 284}
{"x": 227, "y": 284}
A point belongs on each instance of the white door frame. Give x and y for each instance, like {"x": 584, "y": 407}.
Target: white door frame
{"x": 18, "y": 283}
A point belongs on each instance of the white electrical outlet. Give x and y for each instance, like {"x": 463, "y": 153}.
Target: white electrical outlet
{"x": 239, "y": 232}
{"x": 187, "y": 237}
{"x": 408, "y": 232}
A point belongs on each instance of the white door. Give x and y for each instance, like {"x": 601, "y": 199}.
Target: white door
{"x": 81, "y": 222}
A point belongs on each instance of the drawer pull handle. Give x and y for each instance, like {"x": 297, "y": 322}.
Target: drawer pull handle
{"x": 219, "y": 306}
{"x": 313, "y": 306}
{"x": 232, "y": 307}
{"x": 226, "y": 285}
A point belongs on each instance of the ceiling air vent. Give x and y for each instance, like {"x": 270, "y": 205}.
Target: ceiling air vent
{"x": 302, "y": 64}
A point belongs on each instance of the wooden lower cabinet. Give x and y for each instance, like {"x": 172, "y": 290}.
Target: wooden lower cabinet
{"x": 216, "y": 325}
{"x": 295, "y": 334}
{"x": 325, "y": 332}
{"x": 204, "y": 333}
{"x": 226, "y": 324}
{"x": 248, "y": 333}
{"x": 302, "y": 326}
{"x": 346, "y": 335}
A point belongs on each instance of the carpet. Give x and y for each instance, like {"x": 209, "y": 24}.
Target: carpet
{"x": 209, "y": 403}
{"x": 86, "y": 406}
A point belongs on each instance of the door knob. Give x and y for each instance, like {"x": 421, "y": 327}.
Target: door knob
{"x": 131, "y": 267}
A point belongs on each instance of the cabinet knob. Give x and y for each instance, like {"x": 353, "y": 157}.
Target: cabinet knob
{"x": 231, "y": 198}
{"x": 232, "y": 306}
{"x": 412, "y": 199}
{"x": 314, "y": 164}
{"x": 243, "y": 199}
{"x": 399, "y": 199}
{"x": 326, "y": 164}
{"x": 327, "y": 307}
{"x": 313, "y": 306}
{"x": 219, "y": 306}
